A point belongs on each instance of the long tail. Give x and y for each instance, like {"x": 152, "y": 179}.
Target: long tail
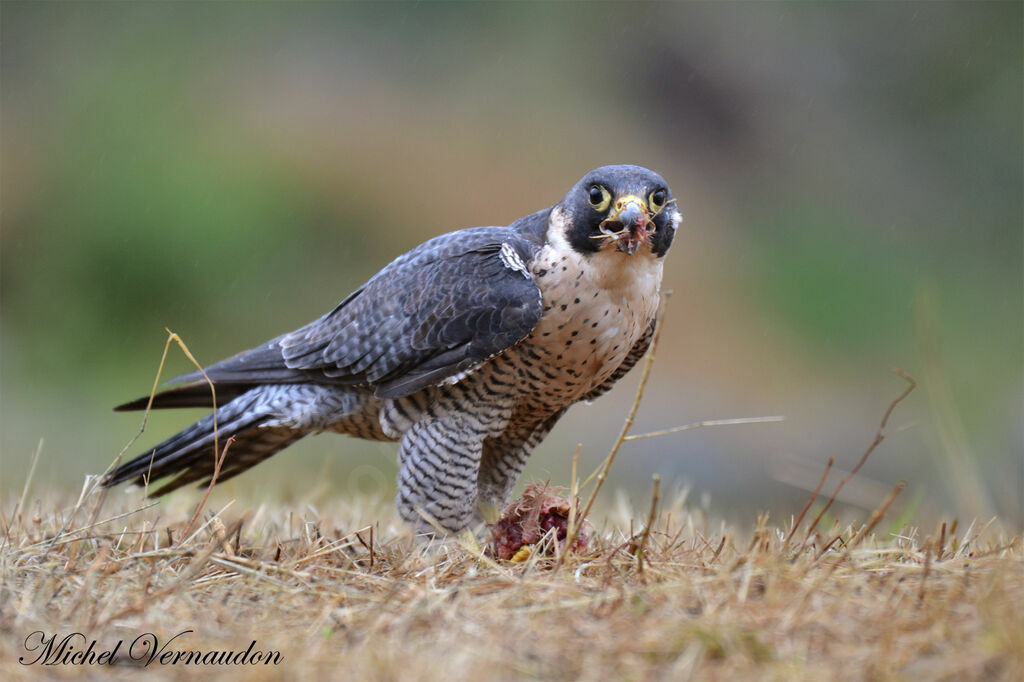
{"x": 190, "y": 455}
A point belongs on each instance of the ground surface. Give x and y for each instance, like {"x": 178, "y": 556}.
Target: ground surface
{"x": 335, "y": 600}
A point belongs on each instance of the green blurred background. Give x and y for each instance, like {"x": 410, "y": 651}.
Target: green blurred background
{"x": 850, "y": 176}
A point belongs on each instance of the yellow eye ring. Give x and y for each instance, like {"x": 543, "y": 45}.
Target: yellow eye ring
{"x": 657, "y": 199}
{"x": 599, "y": 197}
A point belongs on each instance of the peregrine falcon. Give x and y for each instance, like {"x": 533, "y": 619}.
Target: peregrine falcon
{"x": 466, "y": 350}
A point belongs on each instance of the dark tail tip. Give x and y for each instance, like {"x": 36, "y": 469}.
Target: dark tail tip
{"x": 132, "y": 405}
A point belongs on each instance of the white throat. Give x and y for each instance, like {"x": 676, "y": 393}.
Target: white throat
{"x": 624, "y": 276}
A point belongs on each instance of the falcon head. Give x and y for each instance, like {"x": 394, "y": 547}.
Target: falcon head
{"x": 627, "y": 208}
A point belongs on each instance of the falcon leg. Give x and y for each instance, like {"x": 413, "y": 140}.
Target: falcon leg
{"x": 438, "y": 464}
{"x": 504, "y": 458}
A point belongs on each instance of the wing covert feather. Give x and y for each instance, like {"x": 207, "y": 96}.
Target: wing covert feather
{"x": 431, "y": 314}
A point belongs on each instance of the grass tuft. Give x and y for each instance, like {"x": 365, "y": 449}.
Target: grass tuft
{"x": 662, "y": 597}
{"x": 332, "y": 593}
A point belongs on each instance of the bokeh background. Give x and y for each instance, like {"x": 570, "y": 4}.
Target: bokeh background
{"x": 850, "y": 176}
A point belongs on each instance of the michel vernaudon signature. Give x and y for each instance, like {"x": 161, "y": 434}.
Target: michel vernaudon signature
{"x": 77, "y": 649}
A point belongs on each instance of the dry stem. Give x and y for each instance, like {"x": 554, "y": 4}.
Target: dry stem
{"x": 880, "y": 436}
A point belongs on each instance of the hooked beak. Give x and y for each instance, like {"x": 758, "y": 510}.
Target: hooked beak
{"x": 629, "y": 225}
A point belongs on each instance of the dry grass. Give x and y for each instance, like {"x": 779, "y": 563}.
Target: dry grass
{"x": 659, "y": 597}
{"x": 337, "y": 599}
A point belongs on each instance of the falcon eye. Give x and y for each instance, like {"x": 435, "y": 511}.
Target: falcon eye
{"x": 658, "y": 198}
{"x": 599, "y": 197}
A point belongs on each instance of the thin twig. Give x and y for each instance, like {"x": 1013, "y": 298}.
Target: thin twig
{"x": 650, "y": 522}
{"x": 19, "y": 508}
{"x": 213, "y": 390}
{"x": 810, "y": 501}
{"x": 626, "y": 425}
{"x": 927, "y": 569}
{"x": 708, "y": 422}
{"x": 92, "y": 483}
{"x": 880, "y": 436}
{"x": 171, "y": 337}
{"x": 877, "y": 515}
{"x": 28, "y": 479}
{"x": 828, "y": 546}
{"x": 573, "y": 504}
{"x": 213, "y": 482}
{"x": 721, "y": 546}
